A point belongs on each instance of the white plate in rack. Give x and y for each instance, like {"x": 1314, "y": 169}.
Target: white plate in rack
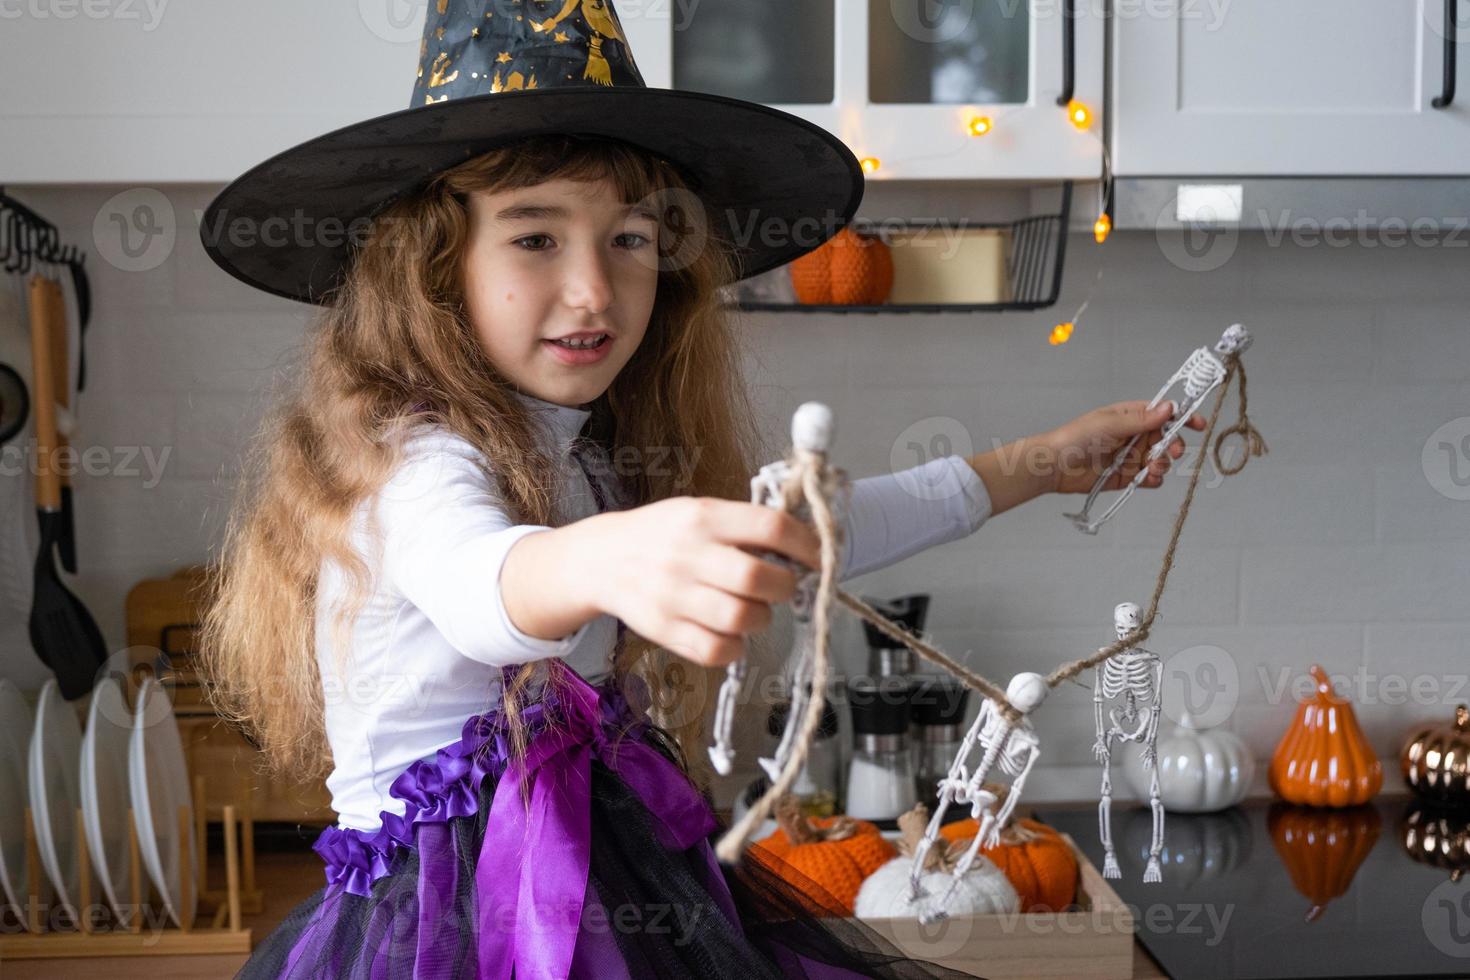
{"x": 158, "y": 778}
{"x": 105, "y": 790}
{"x": 16, "y": 722}
{"x": 56, "y": 793}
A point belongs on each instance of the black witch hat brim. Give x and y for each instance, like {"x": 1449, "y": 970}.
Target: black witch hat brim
{"x": 773, "y": 184}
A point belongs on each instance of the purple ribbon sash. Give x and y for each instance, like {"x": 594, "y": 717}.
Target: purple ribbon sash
{"x": 532, "y": 873}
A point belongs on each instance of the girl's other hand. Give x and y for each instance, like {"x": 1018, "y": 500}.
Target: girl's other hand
{"x": 683, "y": 572}
{"x": 1084, "y": 447}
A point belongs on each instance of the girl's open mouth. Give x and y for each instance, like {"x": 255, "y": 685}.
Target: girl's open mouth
{"x": 580, "y": 353}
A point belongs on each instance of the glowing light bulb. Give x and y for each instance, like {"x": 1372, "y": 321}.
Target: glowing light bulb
{"x": 1102, "y": 227}
{"x": 870, "y": 164}
{"x": 981, "y": 125}
{"x": 1061, "y": 333}
{"x": 1079, "y": 114}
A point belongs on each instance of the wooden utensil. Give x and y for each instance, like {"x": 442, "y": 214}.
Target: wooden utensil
{"x": 63, "y": 632}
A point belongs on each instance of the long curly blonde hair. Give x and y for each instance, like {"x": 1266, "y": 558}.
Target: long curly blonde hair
{"x": 396, "y": 349}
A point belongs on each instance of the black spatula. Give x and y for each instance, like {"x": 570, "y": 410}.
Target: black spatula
{"x": 63, "y": 632}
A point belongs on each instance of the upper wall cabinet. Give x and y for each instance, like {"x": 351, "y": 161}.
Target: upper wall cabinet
{"x": 906, "y": 83}
{"x": 150, "y": 92}
{"x": 1301, "y": 87}
{"x": 195, "y": 92}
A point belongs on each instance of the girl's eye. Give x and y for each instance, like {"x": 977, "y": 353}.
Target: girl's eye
{"x": 637, "y": 241}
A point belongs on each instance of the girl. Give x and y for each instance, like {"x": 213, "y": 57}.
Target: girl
{"x": 512, "y": 478}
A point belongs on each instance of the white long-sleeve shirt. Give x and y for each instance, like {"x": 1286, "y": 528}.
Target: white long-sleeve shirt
{"x": 426, "y": 650}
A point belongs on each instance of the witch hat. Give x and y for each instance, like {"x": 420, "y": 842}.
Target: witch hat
{"x": 495, "y": 71}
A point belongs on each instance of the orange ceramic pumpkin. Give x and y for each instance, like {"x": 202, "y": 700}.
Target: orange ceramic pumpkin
{"x": 1322, "y": 849}
{"x": 1323, "y": 759}
{"x": 1036, "y": 860}
{"x": 848, "y": 270}
{"x": 833, "y": 853}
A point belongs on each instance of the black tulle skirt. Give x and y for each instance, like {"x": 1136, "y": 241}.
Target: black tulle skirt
{"x": 595, "y": 859}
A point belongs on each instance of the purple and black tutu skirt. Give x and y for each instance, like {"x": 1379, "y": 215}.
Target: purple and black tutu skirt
{"x": 593, "y": 858}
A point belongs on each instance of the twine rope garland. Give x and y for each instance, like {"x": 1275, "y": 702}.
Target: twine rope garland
{"x": 818, "y": 482}
{"x": 815, "y": 481}
{"x": 1255, "y": 444}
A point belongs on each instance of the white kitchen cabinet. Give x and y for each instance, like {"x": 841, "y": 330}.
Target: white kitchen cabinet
{"x": 899, "y": 81}
{"x": 150, "y": 91}
{"x": 1285, "y": 88}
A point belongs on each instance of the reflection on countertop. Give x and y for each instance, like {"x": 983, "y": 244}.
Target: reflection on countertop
{"x": 1272, "y": 890}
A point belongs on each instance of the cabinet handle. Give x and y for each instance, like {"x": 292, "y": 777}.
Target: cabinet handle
{"x": 1451, "y": 46}
{"x": 1069, "y": 50}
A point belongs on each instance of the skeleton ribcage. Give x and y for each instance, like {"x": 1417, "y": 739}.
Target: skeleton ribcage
{"x": 1012, "y": 755}
{"x": 1133, "y": 674}
{"x": 1201, "y": 371}
{"x": 1013, "y": 759}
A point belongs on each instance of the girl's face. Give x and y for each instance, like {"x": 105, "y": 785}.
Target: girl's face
{"x": 561, "y": 259}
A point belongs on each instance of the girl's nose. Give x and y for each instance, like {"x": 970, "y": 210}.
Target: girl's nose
{"x": 588, "y": 282}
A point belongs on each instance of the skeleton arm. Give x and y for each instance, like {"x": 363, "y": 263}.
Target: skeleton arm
{"x": 1151, "y": 739}
{"x": 957, "y": 774}
{"x": 987, "y": 761}
{"x": 765, "y": 488}
{"x": 1100, "y": 746}
{"x": 1002, "y": 818}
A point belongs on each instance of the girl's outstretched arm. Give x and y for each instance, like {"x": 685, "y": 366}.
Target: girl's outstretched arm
{"x": 682, "y": 572}
{"x": 1069, "y": 458}
{"x": 895, "y": 515}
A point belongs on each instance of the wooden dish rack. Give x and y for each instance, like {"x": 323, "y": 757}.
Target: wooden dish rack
{"x": 55, "y": 931}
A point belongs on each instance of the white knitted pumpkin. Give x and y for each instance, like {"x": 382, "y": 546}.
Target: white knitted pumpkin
{"x": 983, "y": 890}
{"x": 885, "y": 893}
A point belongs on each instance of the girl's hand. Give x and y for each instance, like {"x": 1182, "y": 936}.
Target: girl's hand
{"x": 1084, "y": 447}
{"x": 682, "y": 572}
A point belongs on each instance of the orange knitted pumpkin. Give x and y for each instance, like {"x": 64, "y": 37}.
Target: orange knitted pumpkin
{"x": 1323, "y": 759}
{"x": 848, "y": 270}
{"x": 1039, "y": 864}
{"x": 833, "y": 853}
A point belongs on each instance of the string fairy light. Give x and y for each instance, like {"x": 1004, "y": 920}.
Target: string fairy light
{"x": 1101, "y": 229}
{"x": 1080, "y": 115}
{"x": 977, "y": 124}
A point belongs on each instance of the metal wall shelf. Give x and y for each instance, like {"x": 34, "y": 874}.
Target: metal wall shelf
{"x": 1034, "y": 263}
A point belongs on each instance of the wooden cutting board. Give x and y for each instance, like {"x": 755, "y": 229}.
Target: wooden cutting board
{"x": 162, "y": 629}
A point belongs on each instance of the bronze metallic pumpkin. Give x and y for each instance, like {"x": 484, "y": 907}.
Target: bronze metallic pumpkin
{"x": 1436, "y": 761}
{"x": 1437, "y": 837}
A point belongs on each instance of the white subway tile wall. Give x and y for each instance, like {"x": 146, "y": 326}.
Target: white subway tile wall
{"x": 1346, "y": 546}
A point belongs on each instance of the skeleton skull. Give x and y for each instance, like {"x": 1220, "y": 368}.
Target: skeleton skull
{"x": 1126, "y": 617}
{"x": 1234, "y": 340}
{"x": 1026, "y": 691}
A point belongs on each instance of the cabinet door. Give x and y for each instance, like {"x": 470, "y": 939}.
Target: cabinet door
{"x": 1285, "y": 87}
{"x": 152, "y": 92}
{"x": 897, "y": 80}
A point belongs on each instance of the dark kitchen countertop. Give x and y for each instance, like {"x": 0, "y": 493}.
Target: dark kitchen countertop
{"x": 1229, "y": 908}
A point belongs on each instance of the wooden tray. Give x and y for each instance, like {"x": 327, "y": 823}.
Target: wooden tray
{"x": 1093, "y": 941}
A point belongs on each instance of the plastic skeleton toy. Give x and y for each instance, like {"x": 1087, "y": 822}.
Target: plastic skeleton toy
{"x": 1133, "y": 681}
{"x": 1201, "y": 374}
{"x": 811, "y": 430}
{"x": 1014, "y": 747}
